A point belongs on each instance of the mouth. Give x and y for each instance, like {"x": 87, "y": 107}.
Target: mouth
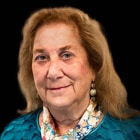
{"x": 58, "y": 88}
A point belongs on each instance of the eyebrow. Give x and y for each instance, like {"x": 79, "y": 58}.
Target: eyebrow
{"x": 60, "y": 49}
{"x": 40, "y": 50}
{"x": 65, "y": 48}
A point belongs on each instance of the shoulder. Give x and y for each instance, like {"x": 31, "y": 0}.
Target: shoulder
{"x": 24, "y": 127}
{"x": 134, "y": 121}
{"x": 114, "y": 129}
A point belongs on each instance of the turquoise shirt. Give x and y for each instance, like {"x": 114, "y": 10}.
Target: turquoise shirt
{"x": 26, "y": 127}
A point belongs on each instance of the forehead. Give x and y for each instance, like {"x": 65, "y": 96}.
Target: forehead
{"x": 61, "y": 27}
{"x": 57, "y": 33}
{"x": 57, "y": 37}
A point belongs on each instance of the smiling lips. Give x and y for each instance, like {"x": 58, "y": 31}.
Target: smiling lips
{"x": 57, "y": 88}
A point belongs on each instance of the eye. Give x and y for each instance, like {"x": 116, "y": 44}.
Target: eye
{"x": 66, "y": 55}
{"x": 41, "y": 58}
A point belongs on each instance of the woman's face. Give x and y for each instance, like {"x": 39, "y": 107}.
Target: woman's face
{"x": 61, "y": 71}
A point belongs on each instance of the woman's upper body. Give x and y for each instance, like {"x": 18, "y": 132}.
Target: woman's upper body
{"x": 65, "y": 66}
{"x": 110, "y": 128}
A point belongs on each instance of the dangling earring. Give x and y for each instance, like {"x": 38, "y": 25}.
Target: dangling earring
{"x": 92, "y": 91}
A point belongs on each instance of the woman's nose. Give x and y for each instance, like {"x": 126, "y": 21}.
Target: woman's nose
{"x": 54, "y": 70}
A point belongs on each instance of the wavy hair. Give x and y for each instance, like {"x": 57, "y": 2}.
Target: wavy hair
{"x": 111, "y": 92}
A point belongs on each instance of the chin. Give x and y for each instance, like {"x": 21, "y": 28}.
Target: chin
{"x": 60, "y": 103}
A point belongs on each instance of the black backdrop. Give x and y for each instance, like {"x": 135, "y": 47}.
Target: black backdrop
{"x": 121, "y": 24}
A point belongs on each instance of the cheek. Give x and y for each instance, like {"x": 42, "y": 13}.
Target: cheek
{"x": 83, "y": 69}
{"x": 37, "y": 73}
{"x": 81, "y": 74}
{"x": 75, "y": 71}
{"x": 85, "y": 75}
{"x": 78, "y": 70}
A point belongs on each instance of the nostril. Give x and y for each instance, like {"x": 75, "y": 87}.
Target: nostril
{"x": 54, "y": 75}
{"x": 54, "y": 69}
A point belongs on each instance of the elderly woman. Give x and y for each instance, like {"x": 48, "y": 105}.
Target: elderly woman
{"x": 68, "y": 79}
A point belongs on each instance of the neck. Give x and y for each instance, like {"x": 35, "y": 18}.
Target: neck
{"x": 68, "y": 115}
{"x": 63, "y": 126}
{"x": 66, "y": 118}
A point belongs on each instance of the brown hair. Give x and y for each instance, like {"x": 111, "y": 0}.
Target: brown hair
{"x": 111, "y": 93}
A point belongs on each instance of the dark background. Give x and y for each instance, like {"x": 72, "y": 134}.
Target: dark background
{"x": 121, "y": 24}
